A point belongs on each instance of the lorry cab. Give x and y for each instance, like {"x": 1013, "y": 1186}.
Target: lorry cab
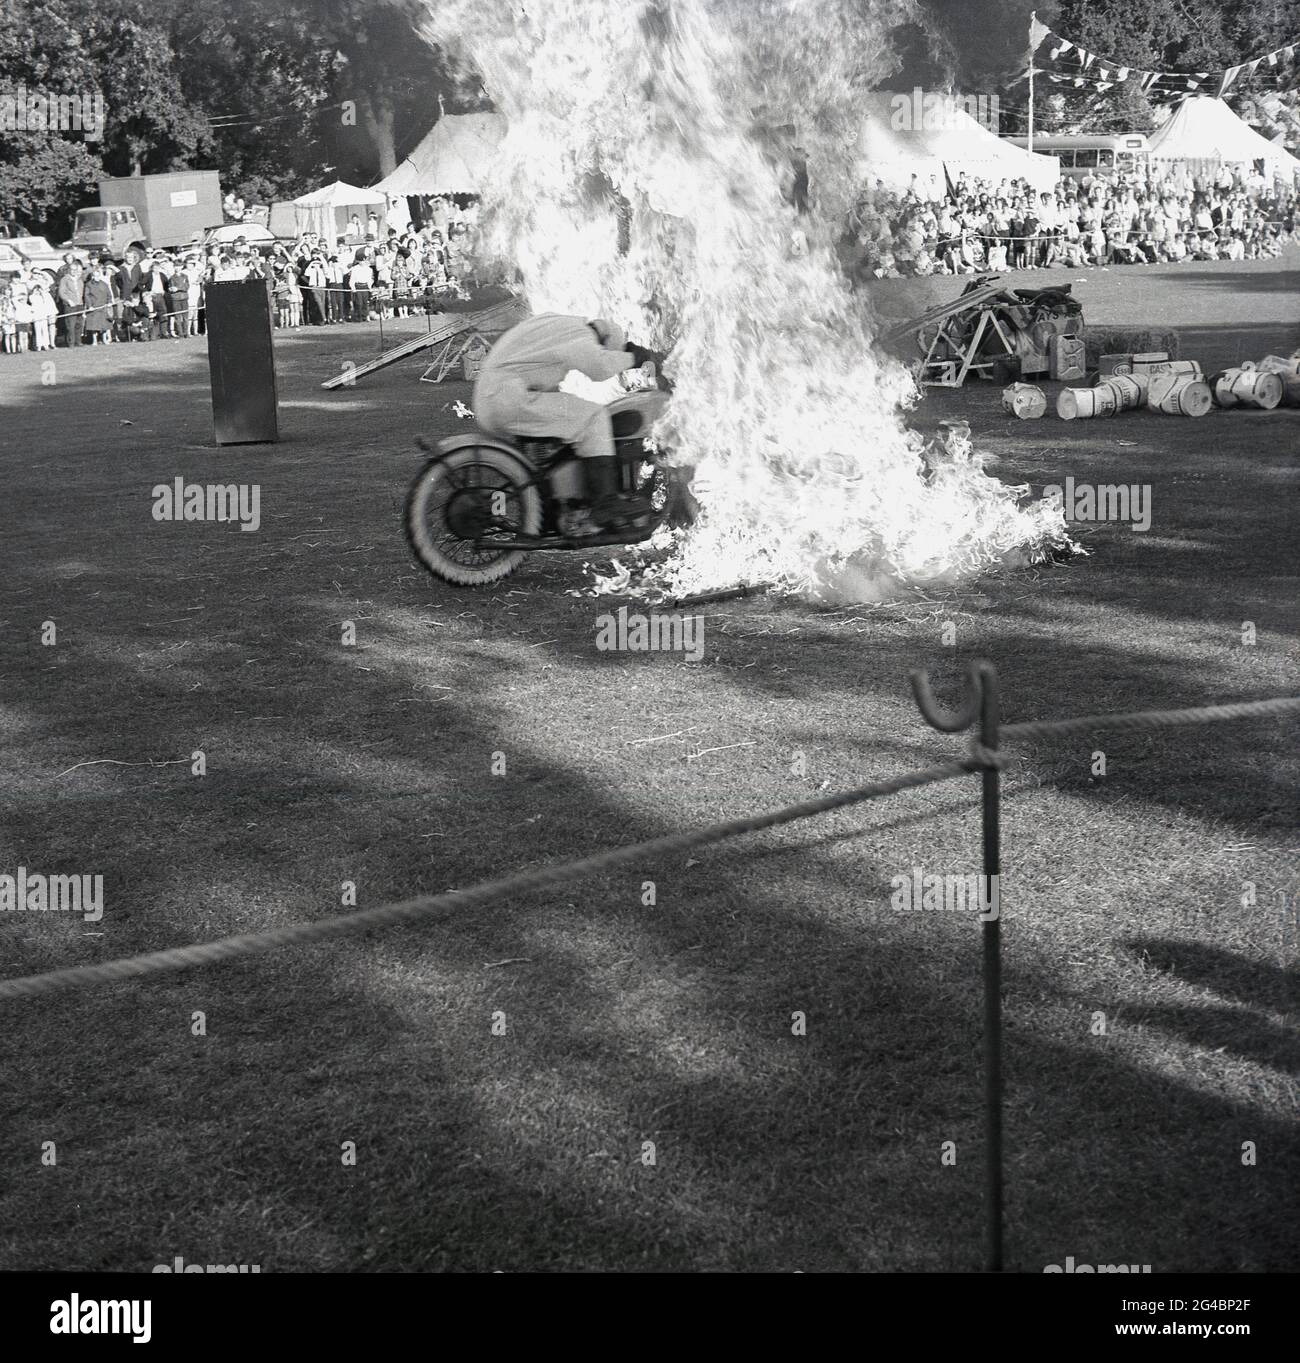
{"x": 111, "y": 229}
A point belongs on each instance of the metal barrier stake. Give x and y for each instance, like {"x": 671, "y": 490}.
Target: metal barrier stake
{"x": 981, "y": 702}
{"x": 991, "y": 780}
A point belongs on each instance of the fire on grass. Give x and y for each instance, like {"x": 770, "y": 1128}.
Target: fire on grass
{"x": 646, "y": 176}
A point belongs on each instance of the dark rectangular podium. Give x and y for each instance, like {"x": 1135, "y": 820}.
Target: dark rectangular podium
{"x": 241, "y": 358}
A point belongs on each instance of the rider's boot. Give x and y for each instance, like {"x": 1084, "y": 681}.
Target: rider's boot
{"x": 602, "y": 487}
{"x": 612, "y": 508}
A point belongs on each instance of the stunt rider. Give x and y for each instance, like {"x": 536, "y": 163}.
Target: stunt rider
{"x": 518, "y": 393}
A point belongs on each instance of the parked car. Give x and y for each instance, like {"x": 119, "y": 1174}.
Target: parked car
{"x": 38, "y": 253}
{"x": 11, "y": 263}
{"x": 254, "y": 235}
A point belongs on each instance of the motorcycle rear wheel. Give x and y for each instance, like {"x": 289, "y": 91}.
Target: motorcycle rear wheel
{"x": 451, "y": 504}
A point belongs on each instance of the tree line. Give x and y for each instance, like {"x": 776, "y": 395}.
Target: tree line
{"x": 279, "y": 96}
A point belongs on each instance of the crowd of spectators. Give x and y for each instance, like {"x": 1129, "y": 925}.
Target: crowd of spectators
{"x": 974, "y": 226}
{"x": 149, "y": 296}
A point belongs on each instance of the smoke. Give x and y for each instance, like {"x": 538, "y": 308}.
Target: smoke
{"x": 648, "y": 175}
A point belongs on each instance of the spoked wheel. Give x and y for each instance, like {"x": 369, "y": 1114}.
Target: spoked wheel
{"x": 458, "y": 499}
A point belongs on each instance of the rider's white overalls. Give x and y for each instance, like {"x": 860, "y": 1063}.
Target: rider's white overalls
{"x": 517, "y": 390}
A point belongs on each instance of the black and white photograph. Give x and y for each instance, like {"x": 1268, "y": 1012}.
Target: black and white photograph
{"x": 650, "y": 638}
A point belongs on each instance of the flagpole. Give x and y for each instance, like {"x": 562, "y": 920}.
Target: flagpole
{"x": 1031, "y": 105}
{"x": 1033, "y": 18}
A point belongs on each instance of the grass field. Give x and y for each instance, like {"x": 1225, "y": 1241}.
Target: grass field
{"x": 627, "y": 1023}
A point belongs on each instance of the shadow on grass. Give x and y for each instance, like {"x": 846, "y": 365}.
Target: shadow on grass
{"x": 1225, "y": 1029}
{"x": 670, "y": 1025}
{"x": 1259, "y": 984}
{"x": 1281, "y": 281}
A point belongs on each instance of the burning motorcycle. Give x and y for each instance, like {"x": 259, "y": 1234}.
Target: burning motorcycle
{"x": 484, "y": 501}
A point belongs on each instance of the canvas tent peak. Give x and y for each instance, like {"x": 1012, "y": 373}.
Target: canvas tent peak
{"x": 454, "y": 157}
{"x": 898, "y": 141}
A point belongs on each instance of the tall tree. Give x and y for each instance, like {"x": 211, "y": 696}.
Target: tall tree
{"x": 390, "y": 80}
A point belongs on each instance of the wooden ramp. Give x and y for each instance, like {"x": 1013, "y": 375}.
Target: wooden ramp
{"x": 494, "y": 319}
{"x": 986, "y": 293}
{"x": 952, "y": 335}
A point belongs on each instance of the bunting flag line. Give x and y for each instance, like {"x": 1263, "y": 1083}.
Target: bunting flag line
{"x": 1111, "y": 73}
{"x": 1160, "y": 90}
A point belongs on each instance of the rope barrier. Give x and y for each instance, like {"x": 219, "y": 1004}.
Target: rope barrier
{"x": 1200, "y": 233}
{"x": 121, "y": 311}
{"x": 1151, "y": 719}
{"x": 426, "y": 906}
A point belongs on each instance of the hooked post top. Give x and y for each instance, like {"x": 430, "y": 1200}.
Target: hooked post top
{"x": 979, "y": 703}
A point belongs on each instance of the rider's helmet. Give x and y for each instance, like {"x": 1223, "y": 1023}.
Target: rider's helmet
{"x": 610, "y": 336}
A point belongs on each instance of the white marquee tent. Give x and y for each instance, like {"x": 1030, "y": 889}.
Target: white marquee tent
{"x": 898, "y": 141}
{"x": 326, "y": 211}
{"x": 1205, "y": 131}
{"x": 453, "y": 158}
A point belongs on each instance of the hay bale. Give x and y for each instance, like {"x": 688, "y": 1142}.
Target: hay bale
{"x": 1103, "y": 340}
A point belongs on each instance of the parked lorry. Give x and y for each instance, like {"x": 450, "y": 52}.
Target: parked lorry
{"x": 159, "y": 211}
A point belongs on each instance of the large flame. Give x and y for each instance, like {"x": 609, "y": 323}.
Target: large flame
{"x": 794, "y": 422}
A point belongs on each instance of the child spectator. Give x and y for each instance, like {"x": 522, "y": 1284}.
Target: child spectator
{"x": 23, "y": 314}
{"x": 295, "y": 297}
{"x": 194, "y": 298}
{"x": 401, "y": 284}
{"x": 44, "y": 313}
{"x": 178, "y": 300}
{"x": 8, "y": 323}
{"x": 280, "y": 293}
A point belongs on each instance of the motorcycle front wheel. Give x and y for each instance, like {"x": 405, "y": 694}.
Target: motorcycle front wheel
{"x": 458, "y": 498}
